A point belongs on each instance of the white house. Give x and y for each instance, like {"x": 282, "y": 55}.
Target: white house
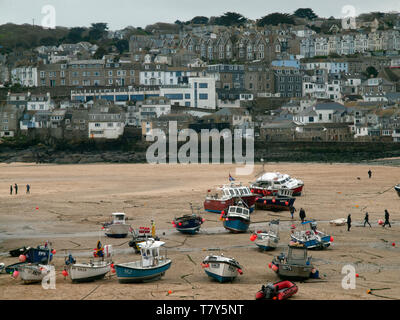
{"x": 25, "y": 76}
{"x": 199, "y": 93}
{"x": 106, "y": 122}
{"x": 40, "y": 102}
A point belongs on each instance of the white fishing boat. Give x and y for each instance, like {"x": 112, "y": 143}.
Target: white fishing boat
{"x": 34, "y": 272}
{"x": 152, "y": 266}
{"x": 117, "y": 228}
{"x": 271, "y": 182}
{"x": 268, "y": 240}
{"x": 221, "y": 268}
{"x": 92, "y": 270}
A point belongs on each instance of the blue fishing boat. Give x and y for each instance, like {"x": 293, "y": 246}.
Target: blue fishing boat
{"x": 41, "y": 254}
{"x": 152, "y": 266}
{"x": 237, "y": 219}
{"x": 313, "y": 238}
{"x": 189, "y": 223}
{"x": 277, "y": 201}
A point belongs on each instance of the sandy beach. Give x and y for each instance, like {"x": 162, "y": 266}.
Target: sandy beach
{"x": 68, "y": 204}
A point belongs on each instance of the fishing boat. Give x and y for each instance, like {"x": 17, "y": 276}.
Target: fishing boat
{"x": 276, "y": 201}
{"x": 268, "y": 240}
{"x": 295, "y": 265}
{"x": 142, "y": 235}
{"x": 34, "y": 272}
{"x": 397, "y": 188}
{"x": 14, "y": 267}
{"x": 92, "y": 270}
{"x": 313, "y": 238}
{"x": 117, "y": 228}
{"x": 229, "y": 195}
{"x": 19, "y": 251}
{"x": 152, "y": 266}
{"x": 237, "y": 218}
{"x": 280, "y": 290}
{"x": 271, "y": 182}
{"x": 189, "y": 223}
{"x": 221, "y": 268}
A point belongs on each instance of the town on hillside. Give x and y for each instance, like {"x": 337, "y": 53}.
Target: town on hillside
{"x": 288, "y": 77}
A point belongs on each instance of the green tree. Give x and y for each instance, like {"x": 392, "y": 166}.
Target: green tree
{"x": 97, "y": 31}
{"x": 122, "y": 45}
{"x": 275, "y": 18}
{"x": 75, "y": 34}
{"x": 230, "y": 19}
{"x": 371, "y": 72}
{"x": 199, "y": 20}
{"x": 48, "y": 41}
{"x": 306, "y": 13}
{"x": 100, "y": 52}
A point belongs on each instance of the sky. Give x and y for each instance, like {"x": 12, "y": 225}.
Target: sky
{"x": 122, "y": 13}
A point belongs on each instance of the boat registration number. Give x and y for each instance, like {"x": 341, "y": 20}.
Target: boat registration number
{"x": 81, "y": 269}
{"x": 289, "y": 268}
{"x": 214, "y": 265}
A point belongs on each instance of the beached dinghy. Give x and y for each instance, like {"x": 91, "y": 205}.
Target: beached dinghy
{"x": 338, "y": 222}
{"x": 117, "y": 228}
{"x": 221, "y": 268}
{"x": 188, "y": 223}
{"x": 267, "y": 240}
{"x": 92, "y": 270}
{"x": 237, "y": 219}
{"x": 152, "y": 266}
{"x": 277, "y": 291}
{"x": 293, "y": 265}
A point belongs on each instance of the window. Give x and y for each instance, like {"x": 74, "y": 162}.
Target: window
{"x": 187, "y": 95}
{"x": 203, "y": 96}
{"x": 203, "y": 85}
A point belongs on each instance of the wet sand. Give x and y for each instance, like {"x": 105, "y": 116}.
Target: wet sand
{"x": 68, "y": 203}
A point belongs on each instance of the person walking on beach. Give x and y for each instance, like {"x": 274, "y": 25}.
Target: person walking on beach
{"x": 11, "y": 189}
{"x": 292, "y": 210}
{"x": 369, "y": 173}
{"x": 302, "y": 214}
{"x": 28, "y": 188}
{"x": 366, "y": 219}
{"x": 348, "y": 222}
{"x": 16, "y": 188}
{"x": 386, "y": 219}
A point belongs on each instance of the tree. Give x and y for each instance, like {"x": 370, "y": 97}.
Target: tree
{"x": 48, "y": 41}
{"x": 199, "y": 20}
{"x": 75, "y": 34}
{"x": 306, "y": 13}
{"x": 371, "y": 72}
{"x": 122, "y": 46}
{"x": 275, "y": 18}
{"x": 230, "y": 19}
{"x": 100, "y": 52}
{"x": 98, "y": 31}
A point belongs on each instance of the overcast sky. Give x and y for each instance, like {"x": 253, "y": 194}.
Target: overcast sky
{"x": 139, "y": 13}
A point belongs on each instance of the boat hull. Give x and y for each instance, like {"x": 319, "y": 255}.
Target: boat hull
{"x": 313, "y": 243}
{"x": 267, "y": 243}
{"x": 397, "y": 188}
{"x": 221, "y": 272}
{"x": 192, "y": 230}
{"x": 132, "y": 272}
{"x": 87, "y": 273}
{"x": 275, "y": 204}
{"x": 32, "y": 273}
{"x": 293, "y": 272}
{"x": 117, "y": 230}
{"x": 217, "y": 206}
{"x": 38, "y": 255}
{"x": 188, "y": 225}
{"x": 236, "y": 225}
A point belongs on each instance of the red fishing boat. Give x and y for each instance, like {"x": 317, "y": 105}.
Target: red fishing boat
{"x": 272, "y": 182}
{"x": 229, "y": 195}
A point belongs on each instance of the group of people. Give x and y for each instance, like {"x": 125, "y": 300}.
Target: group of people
{"x": 366, "y": 220}
{"x": 302, "y": 213}
{"x": 15, "y": 188}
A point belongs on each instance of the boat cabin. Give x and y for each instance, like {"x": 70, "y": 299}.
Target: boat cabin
{"x": 118, "y": 218}
{"x": 298, "y": 256}
{"x": 238, "y": 211}
{"x": 231, "y": 191}
{"x": 150, "y": 252}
